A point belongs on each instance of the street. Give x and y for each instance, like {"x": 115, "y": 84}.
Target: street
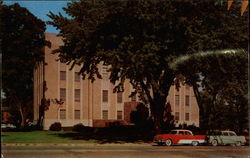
{"x": 123, "y": 151}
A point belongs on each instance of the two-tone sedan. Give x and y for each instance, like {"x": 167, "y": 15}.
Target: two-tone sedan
{"x": 226, "y": 138}
{"x": 179, "y": 136}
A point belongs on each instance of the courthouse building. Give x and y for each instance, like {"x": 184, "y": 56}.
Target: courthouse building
{"x": 95, "y": 104}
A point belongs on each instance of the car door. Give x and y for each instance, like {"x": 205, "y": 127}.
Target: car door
{"x": 225, "y": 138}
{"x": 181, "y": 137}
{"x": 233, "y": 138}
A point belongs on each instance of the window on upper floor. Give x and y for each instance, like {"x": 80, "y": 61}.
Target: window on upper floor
{"x": 63, "y": 94}
{"x": 119, "y": 97}
{"x": 77, "y": 95}
{"x": 177, "y": 99}
{"x": 187, "y": 100}
{"x": 62, "y": 75}
{"x": 105, "y": 72}
{"x": 105, "y": 95}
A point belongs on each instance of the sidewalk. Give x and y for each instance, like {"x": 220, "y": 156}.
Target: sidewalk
{"x": 76, "y": 144}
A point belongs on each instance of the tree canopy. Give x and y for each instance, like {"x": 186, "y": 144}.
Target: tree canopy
{"x": 140, "y": 39}
{"x": 219, "y": 81}
{"x": 22, "y": 42}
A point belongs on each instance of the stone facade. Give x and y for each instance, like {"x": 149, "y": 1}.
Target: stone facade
{"x": 93, "y": 104}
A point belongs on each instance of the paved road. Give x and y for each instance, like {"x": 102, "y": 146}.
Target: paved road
{"x": 123, "y": 151}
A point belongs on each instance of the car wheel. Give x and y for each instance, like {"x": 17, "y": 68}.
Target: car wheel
{"x": 214, "y": 142}
{"x": 238, "y": 144}
{"x": 168, "y": 142}
{"x": 195, "y": 143}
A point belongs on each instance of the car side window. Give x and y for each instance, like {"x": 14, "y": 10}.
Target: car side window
{"x": 188, "y": 133}
{"x": 181, "y": 132}
{"x": 225, "y": 134}
{"x": 232, "y": 134}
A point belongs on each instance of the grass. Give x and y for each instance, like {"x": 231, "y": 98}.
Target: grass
{"x": 40, "y": 137}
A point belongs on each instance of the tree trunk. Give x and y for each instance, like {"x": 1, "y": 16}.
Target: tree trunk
{"x": 23, "y": 118}
{"x": 202, "y": 116}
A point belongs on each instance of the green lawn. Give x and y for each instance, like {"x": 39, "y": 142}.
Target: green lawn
{"x": 40, "y": 137}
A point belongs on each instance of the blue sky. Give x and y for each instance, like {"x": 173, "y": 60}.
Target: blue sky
{"x": 42, "y": 8}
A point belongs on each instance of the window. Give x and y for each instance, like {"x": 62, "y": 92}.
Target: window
{"x": 77, "y": 114}
{"x": 133, "y": 98}
{"x": 177, "y": 116}
{"x": 77, "y": 95}
{"x": 105, "y": 114}
{"x": 62, "y": 114}
{"x": 62, "y": 75}
{"x": 105, "y": 95}
{"x": 77, "y": 77}
{"x": 188, "y": 133}
{"x": 63, "y": 94}
{"x": 177, "y": 100}
{"x": 181, "y": 132}
{"x": 187, "y": 116}
{"x": 119, "y": 97}
{"x": 105, "y": 71}
{"x": 119, "y": 115}
{"x": 187, "y": 100}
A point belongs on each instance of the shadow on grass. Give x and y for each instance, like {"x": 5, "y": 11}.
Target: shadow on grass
{"x": 121, "y": 134}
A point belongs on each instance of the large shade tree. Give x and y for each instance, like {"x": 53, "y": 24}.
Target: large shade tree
{"x": 140, "y": 40}
{"x": 22, "y": 42}
{"x": 219, "y": 81}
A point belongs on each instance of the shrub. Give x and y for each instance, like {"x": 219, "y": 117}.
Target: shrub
{"x": 55, "y": 126}
{"x": 78, "y": 127}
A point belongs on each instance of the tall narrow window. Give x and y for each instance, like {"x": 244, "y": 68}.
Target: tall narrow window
{"x": 119, "y": 97}
{"x": 177, "y": 116}
{"x": 77, "y": 114}
{"x": 62, "y": 75}
{"x": 187, "y": 100}
{"x": 133, "y": 98}
{"x": 119, "y": 115}
{"x": 105, "y": 95}
{"x": 77, "y": 95}
{"x": 62, "y": 114}
{"x": 105, "y": 71}
{"x": 77, "y": 77}
{"x": 63, "y": 94}
{"x": 105, "y": 114}
{"x": 177, "y": 100}
{"x": 187, "y": 117}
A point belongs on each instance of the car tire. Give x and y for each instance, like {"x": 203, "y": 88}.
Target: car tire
{"x": 168, "y": 142}
{"x": 195, "y": 143}
{"x": 238, "y": 144}
{"x": 214, "y": 142}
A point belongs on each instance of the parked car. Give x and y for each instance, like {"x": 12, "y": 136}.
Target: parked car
{"x": 225, "y": 138}
{"x": 9, "y": 126}
{"x": 179, "y": 136}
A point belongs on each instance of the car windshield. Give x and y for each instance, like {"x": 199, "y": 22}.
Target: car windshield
{"x": 173, "y": 132}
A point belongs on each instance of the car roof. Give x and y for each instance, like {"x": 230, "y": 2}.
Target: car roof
{"x": 181, "y": 130}
{"x": 228, "y": 131}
